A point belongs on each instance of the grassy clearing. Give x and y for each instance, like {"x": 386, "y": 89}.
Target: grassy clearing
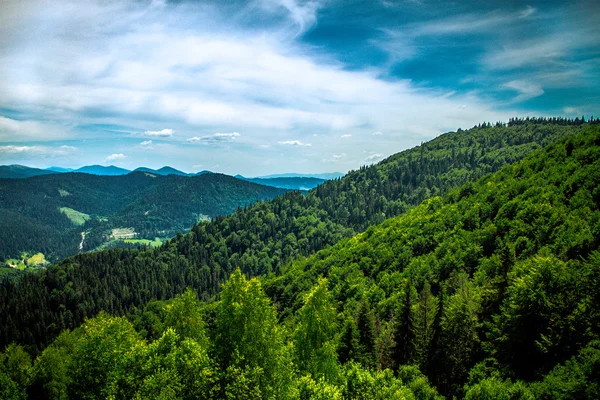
{"x": 63, "y": 193}
{"x": 76, "y": 217}
{"x": 36, "y": 260}
{"x": 16, "y": 264}
{"x": 154, "y": 243}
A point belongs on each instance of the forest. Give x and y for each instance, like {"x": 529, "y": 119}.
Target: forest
{"x": 36, "y": 213}
{"x": 466, "y": 267}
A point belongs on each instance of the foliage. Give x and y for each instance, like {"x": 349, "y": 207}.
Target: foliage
{"x": 489, "y": 291}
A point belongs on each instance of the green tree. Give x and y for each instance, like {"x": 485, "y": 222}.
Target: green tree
{"x": 424, "y": 315}
{"x": 365, "y": 322}
{"x": 249, "y": 343}
{"x": 103, "y": 361}
{"x": 315, "y": 334}
{"x": 404, "y": 332}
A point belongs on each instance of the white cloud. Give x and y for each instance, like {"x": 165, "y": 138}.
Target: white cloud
{"x": 294, "y": 143}
{"x": 38, "y": 151}
{"x": 304, "y": 15}
{"x": 347, "y": 135}
{"x": 571, "y": 111}
{"x": 162, "y": 133}
{"x": 526, "y": 90}
{"x": 115, "y": 157}
{"x": 214, "y": 138}
{"x": 335, "y": 158}
{"x": 27, "y": 130}
{"x": 528, "y": 11}
{"x": 373, "y": 158}
{"x": 146, "y": 143}
{"x": 377, "y": 133}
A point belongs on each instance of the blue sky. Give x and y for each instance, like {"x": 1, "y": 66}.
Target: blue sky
{"x": 271, "y": 86}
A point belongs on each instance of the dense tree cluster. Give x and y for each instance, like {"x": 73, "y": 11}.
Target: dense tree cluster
{"x": 244, "y": 353}
{"x": 487, "y": 291}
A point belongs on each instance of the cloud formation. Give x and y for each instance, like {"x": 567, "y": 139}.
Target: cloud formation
{"x": 115, "y": 157}
{"x": 294, "y": 143}
{"x": 214, "y": 138}
{"x": 161, "y": 133}
{"x": 373, "y": 158}
{"x": 279, "y": 69}
{"x": 38, "y": 151}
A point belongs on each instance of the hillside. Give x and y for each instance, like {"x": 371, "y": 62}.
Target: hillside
{"x": 21, "y": 171}
{"x": 263, "y": 237}
{"x": 48, "y": 213}
{"x": 490, "y": 290}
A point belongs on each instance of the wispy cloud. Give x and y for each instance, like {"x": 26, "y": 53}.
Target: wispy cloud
{"x": 146, "y": 143}
{"x": 377, "y": 133}
{"x": 162, "y": 133}
{"x": 373, "y": 158}
{"x": 38, "y": 151}
{"x": 335, "y": 158}
{"x": 572, "y": 110}
{"x": 214, "y": 138}
{"x": 526, "y": 90}
{"x": 345, "y": 136}
{"x": 26, "y": 130}
{"x": 303, "y": 14}
{"x": 294, "y": 143}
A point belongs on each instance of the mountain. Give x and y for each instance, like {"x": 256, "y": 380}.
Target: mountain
{"x": 204, "y": 172}
{"x": 164, "y": 171}
{"x": 59, "y": 169}
{"x": 293, "y": 183}
{"x": 20, "y": 171}
{"x": 49, "y": 213}
{"x": 170, "y": 171}
{"x": 266, "y": 236}
{"x": 325, "y": 176}
{"x": 487, "y": 291}
{"x": 102, "y": 170}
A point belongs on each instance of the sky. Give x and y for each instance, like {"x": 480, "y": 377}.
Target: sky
{"x": 271, "y": 86}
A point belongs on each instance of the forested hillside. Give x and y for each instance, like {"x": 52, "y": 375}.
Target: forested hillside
{"x": 21, "y": 171}
{"x": 49, "y": 213}
{"x": 260, "y": 238}
{"x": 489, "y": 291}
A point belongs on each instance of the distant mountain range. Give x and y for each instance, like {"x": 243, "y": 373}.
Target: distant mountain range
{"x": 290, "y": 181}
{"x": 326, "y": 176}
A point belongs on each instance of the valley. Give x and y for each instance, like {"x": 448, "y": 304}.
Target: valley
{"x": 52, "y": 213}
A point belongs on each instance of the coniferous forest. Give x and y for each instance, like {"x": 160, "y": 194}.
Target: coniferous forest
{"x": 466, "y": 267}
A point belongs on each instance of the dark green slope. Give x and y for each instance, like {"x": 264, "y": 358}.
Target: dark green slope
{"x": 31, "y": 220}
{"x": 20, "y": 171}
{"x": 260, "y": 238}
{"x": 508, "y": 269}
